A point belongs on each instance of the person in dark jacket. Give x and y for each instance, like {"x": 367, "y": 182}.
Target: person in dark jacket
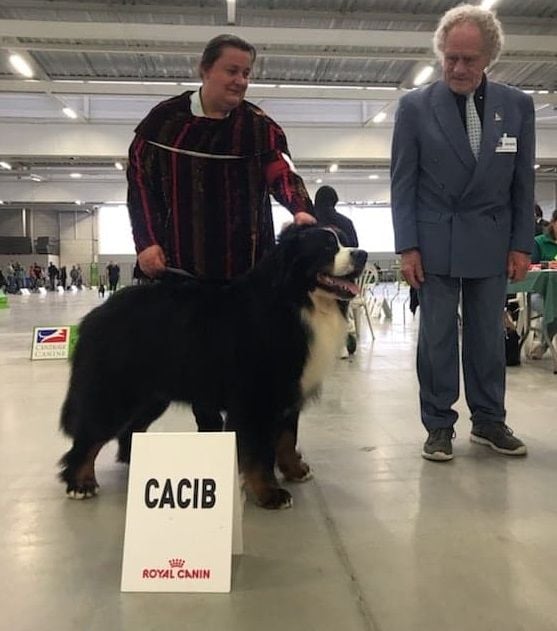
{"x": 326, "y": 199}
{"x": 113, "y": 273}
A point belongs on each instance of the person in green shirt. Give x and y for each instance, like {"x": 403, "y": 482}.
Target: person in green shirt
{"x": 545, "y": 249}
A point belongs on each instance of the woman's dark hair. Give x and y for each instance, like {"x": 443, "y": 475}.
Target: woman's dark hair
{"x": 213, "y": 49}
{"x": 325, "y": 199}
{"x": 538, "y": 212}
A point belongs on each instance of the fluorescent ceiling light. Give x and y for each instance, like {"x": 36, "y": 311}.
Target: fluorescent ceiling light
{"x": 119, "y": 166}
{"x": 20, "y": 65}
{"x": 333, "y": 168}
{"x": 69, "y": 112}
{"x": 424, "y": 74}
{"x": 6, "y": 165}
{"x": 379, "y": 118}
{"x": 105, "y": 82}
{"x": 117, "y": 203}
{"x": 78, "y": 202}
{"x": 318, "y": 180}
{"x": 373, "y": 176}
{"x": 536, "y": 166}
{"x": 76, "y": 175}
{"x": 381, "y": 87}
{"x": 35, "y": 178}
{"x": 543, "y": 91}
{"x": 487, "y": 4}
{"x": 324, "y": 86}
{"x": 231, "y": 11}
{"x": 1, "y": 203}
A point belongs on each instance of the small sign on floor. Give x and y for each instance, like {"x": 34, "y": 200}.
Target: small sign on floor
{"x": 184, "y": 513}
{"x": 53, "y": 342}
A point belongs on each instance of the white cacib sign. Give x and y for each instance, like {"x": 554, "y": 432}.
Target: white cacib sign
{"x": 184, "y": 513}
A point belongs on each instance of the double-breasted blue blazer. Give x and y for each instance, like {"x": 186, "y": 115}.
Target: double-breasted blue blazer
{"x": 463, "y": 215}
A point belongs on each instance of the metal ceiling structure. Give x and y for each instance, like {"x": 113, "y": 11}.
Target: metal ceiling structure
{"x": 329, "y": 63}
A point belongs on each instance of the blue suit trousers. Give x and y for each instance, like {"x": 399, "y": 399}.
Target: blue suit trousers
{"x": 483, "y": 348}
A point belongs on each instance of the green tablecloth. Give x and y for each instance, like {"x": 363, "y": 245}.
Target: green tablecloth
{"x": 543, "y": 282}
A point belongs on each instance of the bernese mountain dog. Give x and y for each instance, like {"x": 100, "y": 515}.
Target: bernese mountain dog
{"x": 256, "y": 347}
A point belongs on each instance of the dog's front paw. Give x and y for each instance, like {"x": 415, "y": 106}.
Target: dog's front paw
{"x": 275, "y": 499}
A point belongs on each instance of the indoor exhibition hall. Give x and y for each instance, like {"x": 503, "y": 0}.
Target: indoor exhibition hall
{"x": 278, "y": 315}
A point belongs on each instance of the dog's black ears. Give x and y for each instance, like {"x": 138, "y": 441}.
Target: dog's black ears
{"x": 291, "y": 230}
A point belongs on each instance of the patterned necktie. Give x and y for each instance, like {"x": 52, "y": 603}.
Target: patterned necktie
{"x": 473, "y": 125}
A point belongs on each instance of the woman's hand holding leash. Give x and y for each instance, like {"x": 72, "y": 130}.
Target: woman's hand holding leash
{"x": 152, "y": 261}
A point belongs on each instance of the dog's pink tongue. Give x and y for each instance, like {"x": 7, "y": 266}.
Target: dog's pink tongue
{"x": 340, "y": 283}
{"x": 352, "y": 287}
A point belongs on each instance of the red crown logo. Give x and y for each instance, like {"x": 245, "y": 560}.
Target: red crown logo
{"x": 176, "y": 562}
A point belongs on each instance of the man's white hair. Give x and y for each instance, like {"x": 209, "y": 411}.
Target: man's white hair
{"x": 490, "y": 28}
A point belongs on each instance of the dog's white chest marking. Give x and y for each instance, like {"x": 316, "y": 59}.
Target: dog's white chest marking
{"x": 328, "y": 328}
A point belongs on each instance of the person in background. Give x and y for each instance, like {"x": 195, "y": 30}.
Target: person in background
{"x": 545, "y": 249}
{"x": 539, "y": 222}
{"x": 202, "y": 167}
{"x": 326, "y": 199}
{"x": 79, "y": 277}
{"x": 10, "y": 278}
{"x": 462, "y": 198}
{"x": 74, "y": 274}
{"x": 63, "y": 277}
{"x": 113, "y": 273}
{"x": 53, "y": 274}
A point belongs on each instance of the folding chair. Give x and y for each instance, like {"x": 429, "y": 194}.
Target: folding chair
{"x": 366, "y": 299}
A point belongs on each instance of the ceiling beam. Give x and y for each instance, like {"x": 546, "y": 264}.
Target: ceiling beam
{"x": 145, "y": 48}
{"x": 277, "y": 14}
{"x": 259, "y": 36}
{"x": 162, "y": 89}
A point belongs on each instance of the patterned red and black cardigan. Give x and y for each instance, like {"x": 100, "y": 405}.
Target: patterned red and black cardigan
{"x": 211, "y": 215}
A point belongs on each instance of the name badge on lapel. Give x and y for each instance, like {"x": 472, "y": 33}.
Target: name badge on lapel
{"x": 506, "y": 144}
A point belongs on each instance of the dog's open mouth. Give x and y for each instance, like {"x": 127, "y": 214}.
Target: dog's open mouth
{"x": 343, "y": 287}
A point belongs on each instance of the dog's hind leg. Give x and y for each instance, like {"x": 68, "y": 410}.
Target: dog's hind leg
{"x": 289, "y": 461}
{"x": 141, "y": 421}
{"x": 78, "y": 470}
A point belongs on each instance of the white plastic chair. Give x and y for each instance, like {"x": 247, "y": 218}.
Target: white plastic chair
{"x": 366, "y": 299}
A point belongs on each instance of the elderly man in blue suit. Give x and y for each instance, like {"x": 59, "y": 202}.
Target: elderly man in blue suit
{"x": 462, "y": 199}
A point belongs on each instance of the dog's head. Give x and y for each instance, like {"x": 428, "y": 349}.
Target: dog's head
{"x": 316, "y": 260}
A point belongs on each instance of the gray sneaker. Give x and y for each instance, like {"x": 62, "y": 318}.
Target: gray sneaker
{"x": 499, "y": 437}
{"x": 438, "y": 445}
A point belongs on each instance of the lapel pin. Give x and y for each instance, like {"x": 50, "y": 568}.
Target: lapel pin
{"x": 498, "y": 117}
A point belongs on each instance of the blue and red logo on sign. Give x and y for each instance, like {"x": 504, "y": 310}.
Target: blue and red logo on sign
{"x": 52, "y": 336}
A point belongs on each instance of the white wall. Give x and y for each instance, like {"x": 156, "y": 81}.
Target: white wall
{"x": 546, "y": 196}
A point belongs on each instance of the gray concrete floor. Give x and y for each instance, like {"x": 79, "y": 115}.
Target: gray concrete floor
{"x": 379, "y": 539}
